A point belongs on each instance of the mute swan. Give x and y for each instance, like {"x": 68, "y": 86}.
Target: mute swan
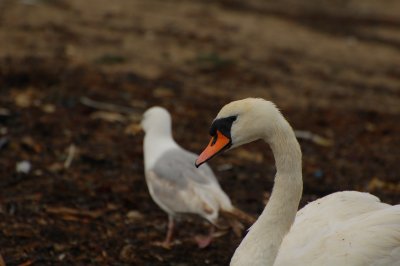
{"x": 175, "y": 184}
{"x": 344, "y": 228}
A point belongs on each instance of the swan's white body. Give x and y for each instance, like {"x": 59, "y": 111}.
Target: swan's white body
{"x": 344, "y": 228}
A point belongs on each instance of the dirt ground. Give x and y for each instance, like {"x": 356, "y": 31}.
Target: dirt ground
{"x": 75, "y": 77}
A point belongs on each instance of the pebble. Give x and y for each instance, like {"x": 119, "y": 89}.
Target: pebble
{"x": 23, "y": 167}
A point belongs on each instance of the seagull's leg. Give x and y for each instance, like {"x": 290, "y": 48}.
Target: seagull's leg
{"x": 168, "y": 238}
{"x": 167, "y": 241}
{"x": 204, "y": 241}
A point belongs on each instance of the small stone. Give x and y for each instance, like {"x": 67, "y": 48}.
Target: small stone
{"x": 318, "y": 173}
{"x": 24, "y": 99}
{"x": 48, "y": 108}
{"x": 4, "y": 112}
{"x": 61, "y": 256}
{"x": 3, "y": 130}
{"x": 38, "y": 172}
{"x": 163, "y": 93}
{"x": 127, "y": 253}
{"x": 224, "y": 167}
{"x": 59, "y": 247}
{"x": 134, "y": 215}
{"x": 23, "y": 167}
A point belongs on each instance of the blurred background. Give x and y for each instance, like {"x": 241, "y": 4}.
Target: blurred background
{"x": 75, "y": 77}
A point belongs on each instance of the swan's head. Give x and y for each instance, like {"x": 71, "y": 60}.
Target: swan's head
{"x": 238, "y": 123}
{"x": 156, "y": 119}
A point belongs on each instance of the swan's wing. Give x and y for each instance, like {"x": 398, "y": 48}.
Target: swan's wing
{"x": 338, "y": 206}
{"x": 178, "y": 186}
{"x": 319, "y": 215}
{"x": 345, "y": 228}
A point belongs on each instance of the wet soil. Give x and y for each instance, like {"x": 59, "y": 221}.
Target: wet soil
{"x": 75, "y": 77}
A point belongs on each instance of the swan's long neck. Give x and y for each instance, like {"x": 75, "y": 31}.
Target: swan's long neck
{"x": 261, "y": 244}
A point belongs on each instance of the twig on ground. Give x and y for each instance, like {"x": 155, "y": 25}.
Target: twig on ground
{"x": 71, "y": 212}
{"x": 26, "y": 263}
{"x": 2, "y": 263}
{"x": 107, "y": 106}
{"x": 317, "y": 139}
{"x": 70, "y": 157}
{"x": 65, "y": 211}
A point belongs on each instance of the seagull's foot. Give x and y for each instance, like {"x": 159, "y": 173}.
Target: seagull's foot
{"x": 165, "y": 244}
{"x": 203, "y": 241}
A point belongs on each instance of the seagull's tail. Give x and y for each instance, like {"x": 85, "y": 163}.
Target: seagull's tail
{"x": 235, "y": 217}
{"x": 243, "y": 216}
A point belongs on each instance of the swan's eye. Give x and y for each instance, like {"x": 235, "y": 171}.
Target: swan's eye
{"x": 214, "y": 139}
{"x": 213, "y": 130}
{"x": 223, "y": 125}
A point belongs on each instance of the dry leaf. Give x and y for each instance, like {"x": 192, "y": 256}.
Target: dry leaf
{"x": 378, "y": 184}
{"x": 24, "y": 99}
{"x": 375, "y": 184}
{"x": 317, "y": 139}
{"x": 219, "y": 234}
{"x": 67, "y": 212}
{"x": 108, "y": 116}
{"x": 26, "y": 263}
{"x": 71, "y": 51}
{"x": 134, "y": 215}
{"x": 71, "y": 151}
{"x": 322, "y": 141}
{"x": 4, "y": 112}
{"x": 127, "y": 253}
{"x": 163, "y": 92}
{"x": 224, "y": 167}
{"x": 136, "y": 118}
{"x": 249, "y": 155}
{"x": 48, "y": 108}
{"x": 138, "y": 104}
{"x": 133, "y": 129}
{"x": 56, "y": 167}
{"x": 38, "y": 172}
{"x": 370, "y": 127}
{"x": 31, "y": 143}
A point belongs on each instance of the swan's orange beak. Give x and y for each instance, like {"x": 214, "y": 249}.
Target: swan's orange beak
{"x": 217, "y": 144}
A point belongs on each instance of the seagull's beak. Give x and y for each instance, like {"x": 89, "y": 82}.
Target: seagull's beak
{"x": 217, "y": 144}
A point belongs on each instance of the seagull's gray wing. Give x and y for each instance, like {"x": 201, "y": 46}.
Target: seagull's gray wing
{"x": 178, "y": 186}
{"x": 178, "y": 164}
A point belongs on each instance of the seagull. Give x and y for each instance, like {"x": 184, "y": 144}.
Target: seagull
{"x": 176, "y": 185}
